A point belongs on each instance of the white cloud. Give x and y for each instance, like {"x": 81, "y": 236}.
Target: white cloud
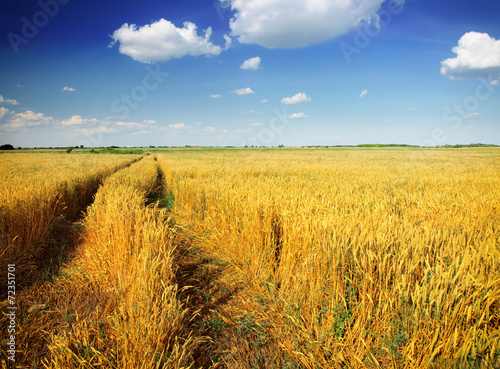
{"x": 18, "y": 85}
{"x": 162, "y": 40}
{"x": 297, "y": 23}
{"x": 129, "y": 125}
{"x": 478, "y": 55}
{"x": 496, "y": 82}
{"x": 28, "y": 119}
{"x": 243, "y": 91}
{"x": 257, "y": 124}
{"x": 474, "y": 115}
{"x": 298, "y": 98}
{"x": 3, "y": 112}
{"x": 243, "y": 130}
{"x": 298, "y": 116}
{"x": 251, "y": 64}
{"x": 363, "y": 93}
{"x": 411, "y": 109}
{"x": 68, "y": 89}
{"x": 149, "y": 121}
{"x": 264, "y": 101}
{"x": 8, "y": 101}
{"x": 74, "y": 120}
{"x": 216, "y": 96}
{"x": 178, "y": 126}
{"x": 210, "y": 129}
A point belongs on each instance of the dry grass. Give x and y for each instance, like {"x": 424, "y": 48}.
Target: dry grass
{"x": 114, "y": 305}
{"x": 36, "y": 190}
{"x": 356, "y": 257}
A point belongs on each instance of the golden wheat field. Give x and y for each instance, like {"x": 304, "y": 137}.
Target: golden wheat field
{"x": 254, "y": 258}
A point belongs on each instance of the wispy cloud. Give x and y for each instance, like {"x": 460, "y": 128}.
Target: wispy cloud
{"x": 8, "y": 101}
{"x": 243, "y": 91}
{"x": 474, "y": 115}
{"x": 298, "y": 116}
{"x": 216, "y": 96}
{"x": 363, "y": 93}
{"x": 68, "y": 89}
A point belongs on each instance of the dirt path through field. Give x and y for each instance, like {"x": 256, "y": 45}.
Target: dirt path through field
{"x": 224, "y": 311}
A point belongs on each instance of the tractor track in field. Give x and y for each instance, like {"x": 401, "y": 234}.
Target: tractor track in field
{"x": 34, "y": 298}
{"x": 60, "y": 244}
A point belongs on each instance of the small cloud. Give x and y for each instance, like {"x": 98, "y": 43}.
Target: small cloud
{"x": 474, "y": 115}
{"x": 145, "y": 132}
{"x": 411, "y": 109}
{"x": 296, "y": 99}
{"x": 28, "y": 119}
{"x": 395, "y": 110}
{"x": 18, "y": 85}
{"x": 210, "y": 129}
{"x": 73, "y": 121}
{"x": 257, "y": 124}
{"x": 8, "y": 101}
{"x": 469, "y": 128}
{"x": 251, "y": 64}
{"x": 363, "y": 93}
{"x": 178, "y": 126}
{"x": 149, "y": 121}
{"x": 129, "y": 124}
{"x": 3, "y": 112}
{"x": 298, "y": 116}
{"x": 243, "y": 130}
{"x": 496, "y": 82}
{"x": 216, "y": 96}
{"x": 264, "y": 101}
{"x": 68, "y": 89}
{"x": 198, "y": 123}
{"x": 225, "y": 130}
{"x": 243, "y": 91}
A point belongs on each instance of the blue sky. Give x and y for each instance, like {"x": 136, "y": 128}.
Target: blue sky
{"x": 249, "y": 72}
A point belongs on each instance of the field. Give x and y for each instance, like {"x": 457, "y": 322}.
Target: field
{"x": 253, "y": 258}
